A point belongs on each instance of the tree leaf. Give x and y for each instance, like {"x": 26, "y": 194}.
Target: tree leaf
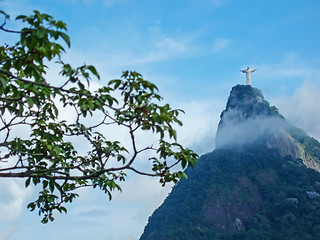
{"x": 94, "y": 71}
{"x": 27, "y": 182}
{"x": 66, "y": 38}
{"x": 29, "y": 101}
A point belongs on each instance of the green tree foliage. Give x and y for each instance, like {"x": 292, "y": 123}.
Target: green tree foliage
{"x": 37, "y": 143}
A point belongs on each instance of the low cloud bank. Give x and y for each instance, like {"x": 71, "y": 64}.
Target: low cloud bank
{"x": 303, "y": 108}
{"x": 233, "y": 133}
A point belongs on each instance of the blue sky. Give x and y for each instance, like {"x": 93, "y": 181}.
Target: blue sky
{"x": 193, "y": 50}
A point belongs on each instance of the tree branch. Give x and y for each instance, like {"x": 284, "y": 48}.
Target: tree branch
{"x": 6, "y": 30}
{"x": 143, "y": 173}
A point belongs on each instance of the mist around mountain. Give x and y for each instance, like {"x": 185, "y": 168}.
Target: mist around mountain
{"x": 250, "y": 120}
{"x": 261, "y": 182}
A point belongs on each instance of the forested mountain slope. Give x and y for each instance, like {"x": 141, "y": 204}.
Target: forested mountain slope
{"x": 261, "y": 182}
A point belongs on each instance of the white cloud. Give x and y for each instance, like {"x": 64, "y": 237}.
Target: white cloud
{"x": 166, "y": 48}
{"x": 171, "y": 44}
{"x": 110, "y": 3}
{"x": 220, "y": 43}
{"x": 13, "y": 199}
{"x": 5, "y": 235}
{"x": 291, "y": 66}
{"x": 303, "y": 108}
{"x": 107, "y": 3}
{"x": 200, "y": 123}
{"x": 165, "y": 45}
{"x": 216, "y": 2}
{"x": 126, "y": 214}
{"x": 236, "y": 130}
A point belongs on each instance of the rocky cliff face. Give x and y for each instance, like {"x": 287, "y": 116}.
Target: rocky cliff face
{"x": 259, "y": 183}
{"x": 249, "y": 119}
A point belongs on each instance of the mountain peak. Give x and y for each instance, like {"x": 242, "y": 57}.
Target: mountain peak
{"x": 249, "y": 103}
{"x": 254, "y": 185}
{"x": 250, "y": 120}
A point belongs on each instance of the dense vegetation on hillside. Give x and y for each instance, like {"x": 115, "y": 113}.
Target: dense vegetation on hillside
{"x": 274, "y": 196}
{"x": 250, "y": 101}
{"x": 311, "y": 145}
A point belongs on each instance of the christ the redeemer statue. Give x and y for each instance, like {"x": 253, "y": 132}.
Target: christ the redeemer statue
{"x": 248, "y": 72}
